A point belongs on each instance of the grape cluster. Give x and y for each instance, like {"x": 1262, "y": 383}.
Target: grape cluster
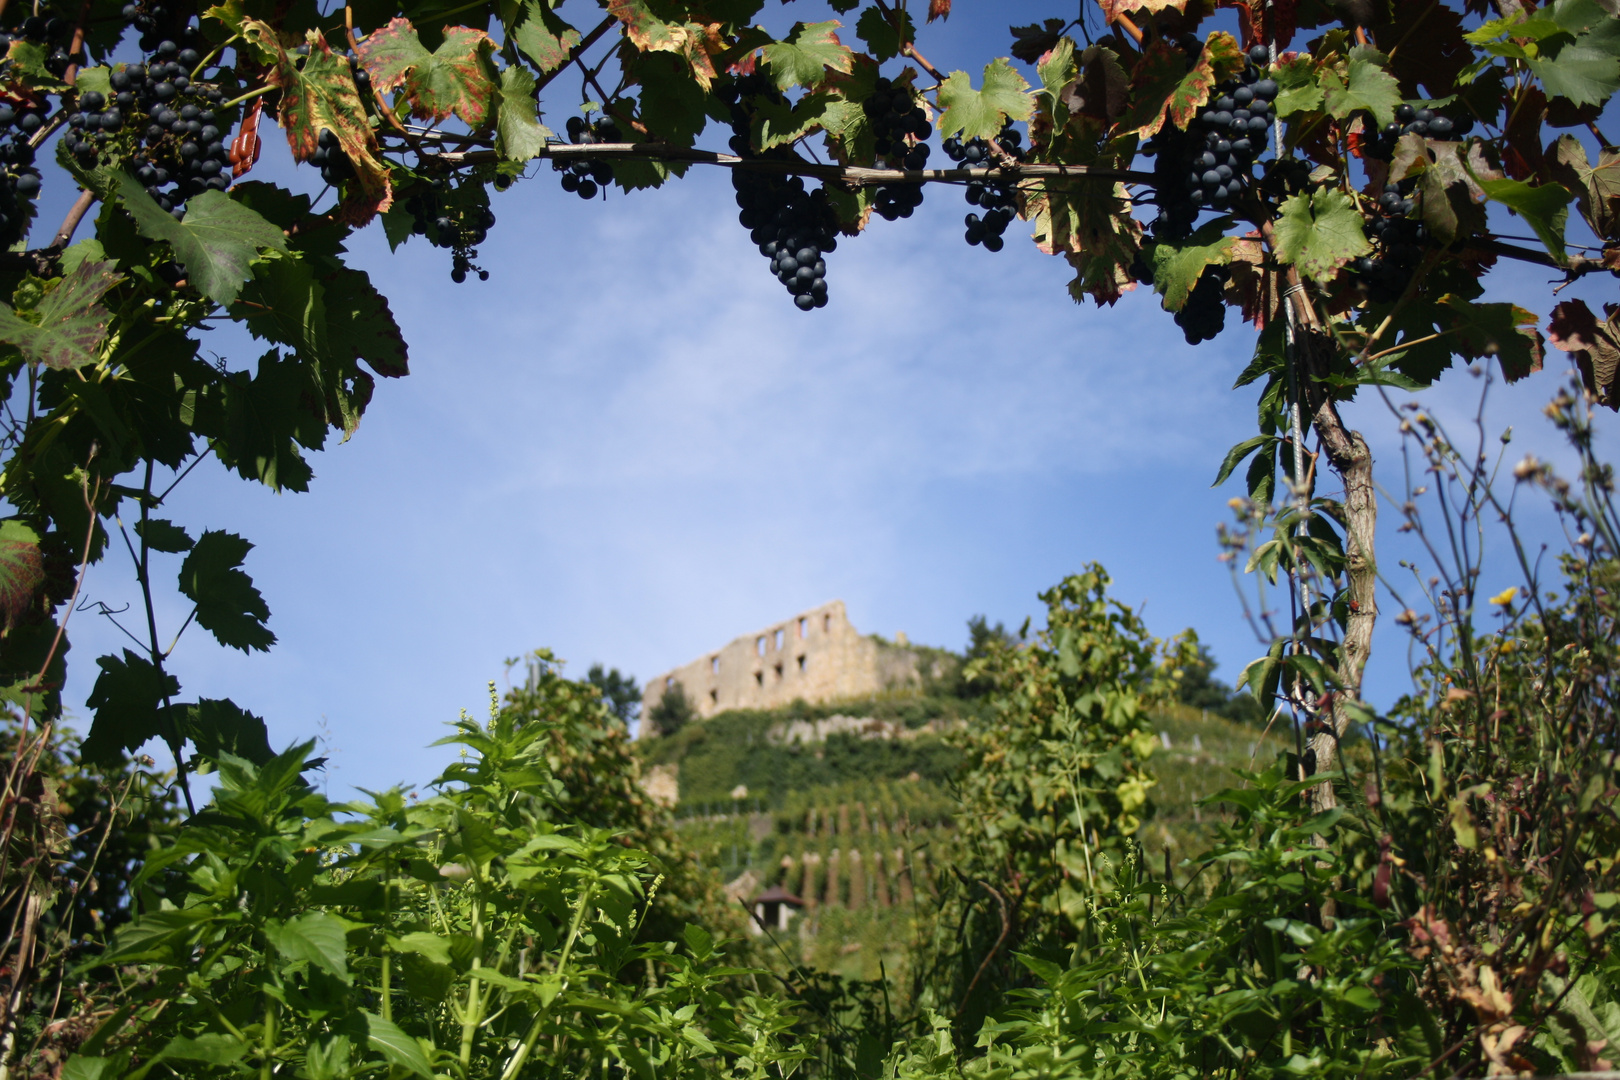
{"x": 1412, "y": 120}
{"x": 1203, "y": 316}
{"x": 57, "y": 33}
{"x": 334, "y": 164}
{"x": 898, "y": 124}
{"x": 1398, "y": 239}
{"x": 1283, "y": 177}
{"x": 999, "y": 198}
{"x": 794, "y": 228}
{"x": 452, "y": 223}
{"x": 586, "y": 178}
{"x": 19, "y": 180}
{"x": 1212, "y": 162}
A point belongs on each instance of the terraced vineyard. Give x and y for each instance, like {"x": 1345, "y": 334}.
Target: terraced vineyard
{"x": 849, "y": 807}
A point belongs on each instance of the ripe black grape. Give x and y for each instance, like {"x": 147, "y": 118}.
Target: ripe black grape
{"x": 998, "y": 198}
{"x": 1379, "y": 143}
{"x": 454, "y": 218}
{"x": 1398, "y": 240}
{"x": 1203, "y": 316}
{"x": 586, "y": 178}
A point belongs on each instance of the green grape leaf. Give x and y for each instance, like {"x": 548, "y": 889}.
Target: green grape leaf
{"x": 72, "y": 321}
{"x": 1585, "y": 72}
{"x": 1505, "y": 331}
{"x": 519, "y": 135}
{"x": 807, "y": 54}
{"x": 396, "y": 1047}
{"x": 228, "y": 604}
{"x": 882, "y": 40}
{"x": 220, "y": 726}
{"x": 1297, "y": 88}
{"x": 543, "y": 37}
{"x": 216, "y": 242}
{"x": 978, "y": 114}
{"x": 315, "y": 938}
{"x": 22, "y": 569}
{"x": 1177, "y": 267}
{"x": 360, "y": 325}
{"x": 1545, "y": 208}
{"x": 161, "y": 534}
{"x": 1363, "y": 86}
{"x": 285, "y": 304}
{"x": 28, "y": 59}
{"x": 321, "y": 95}
{"x": 453, "y": 80}
{"x": 779, "y": 122}
{"x": 128, "y": 702}
{"x": 257, "y": 422}
{"x": 1320, "y": 232}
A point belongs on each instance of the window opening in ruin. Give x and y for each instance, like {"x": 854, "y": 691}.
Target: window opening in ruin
{"x": 759, "y": 677}
{"x": 802, "y": 622}
{"x": 714, "y": 697}
{"x": 776, "y": 643}
{"x": 714, "y": 665}
{"x": 669, "y": 681}
{"x": 826, "y": 624}
{"x": 759, "y": 646}
{"x": 801, "y": 664}
{"x": 778, "y": 671}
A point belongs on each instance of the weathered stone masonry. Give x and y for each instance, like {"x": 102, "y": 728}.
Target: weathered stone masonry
{"x": 815, "y": 656}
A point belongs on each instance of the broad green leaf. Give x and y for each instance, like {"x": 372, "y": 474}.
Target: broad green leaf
{"x": 699, "y": 940}
{"x": 217, "y": 241}
{"x": 1545, "y": 208}
{"x": 543, "y": 37}
{"x": 220, "y": 726}
{"x": 1364, "y": 85}
{"x": 882, "y": 40}
{"x": 82, "y": 1067}
{"x": 213, "y": 1048}
{"x": 161, "y": 534}
{"x": 396, "y": 1047}
{"x": 1177, "y": 267}
{"x": 128, "y": 699}
{"x": 453, "y": 80}
{"x": 228, "y": 605}
{"x": 360, "y": 326}
{"x": 1234, "y": 457}
{"x": 1297, "y": 88}
{"x": 315, "y": 938}
{"x": 71, "y": 320}
{"x": 519, "y": 134}
{"x": 1320, "y": 232}
{"x": 258, "y": 420}
{"x": 978, "y": 114}
{"x": 805, "y": 56}
{"x": 284, "y": 303}
{"x": 431, "y": 946}
{"x": 777, "y": 123}
{"x": 22, "y": 569}
{"x": 1505, "y": 331}
{"x": 1586, "y": 72}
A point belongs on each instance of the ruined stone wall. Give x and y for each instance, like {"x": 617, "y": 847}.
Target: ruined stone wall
{"x": 816, "y": 656}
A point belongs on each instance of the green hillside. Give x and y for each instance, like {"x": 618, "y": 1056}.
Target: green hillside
{"x": 858, "y": 823}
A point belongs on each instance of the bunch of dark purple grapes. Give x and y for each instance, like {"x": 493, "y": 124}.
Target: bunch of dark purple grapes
{"x": 899, "y": 125}
{"x": 1203, "y": 316}
{"x": 19, "y": 180}
{"x": 1398, "y": 240}
{"x": 793, "y": 227}
{"x": 586, "y": 178}
{"x": 998, "y": 198}
{"x": 1410, "y": 119}
{"x": 330, "y": 158}
{"x": 452, "y": 223}
{"x": 54, "y": 33}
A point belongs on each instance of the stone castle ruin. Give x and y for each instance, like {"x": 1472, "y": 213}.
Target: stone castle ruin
{"x": 815, "y": 656}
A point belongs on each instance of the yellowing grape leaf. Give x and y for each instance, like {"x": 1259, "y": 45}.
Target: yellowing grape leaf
{"x": 808, "y": 53}
{"x": 543, "y": 37}
{"x": 456, "y": 79}
{"x": 71, "y": 320}
{"x": 696, "y": 43}
{"x": 1594, "y": 345}
{"x": 1164, "y": 88}
{"x": 22, "y": 569}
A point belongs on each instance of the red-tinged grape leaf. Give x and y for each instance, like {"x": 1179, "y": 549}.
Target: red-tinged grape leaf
{"x": 360, "y": 325}
{"x": 1432, "y": 53}
{"x": 1089, "y": 223}
{"x": 456, "y": 79}
{"x": 72, "y": 322}
{"x": 216, "y": 242}
{"x": 978, "y": 114}
{"x": 543, "y": 37}
{"x": 1524, "y": 157}
{"x": 321, "y": 94}
{"x": 1320, "y": 232}
{"x": 1253, "y": 286}
{"x": 22, "y": 569}
{"x": 1164, "y": 88}
{"x": 1594, "y": 345}
{"x": 1113, "y": 9}
{"x": 1596, "y": 188}
{"x": 939, "y": 9}
{"x": 1177, "y": 267}
{"x": 697, "y": 43}
{"x": 807, "y": 54}
{"x": 1505, "y": 331}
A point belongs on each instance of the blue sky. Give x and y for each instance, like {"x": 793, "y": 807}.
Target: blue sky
{"x": 630, "y": 447}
